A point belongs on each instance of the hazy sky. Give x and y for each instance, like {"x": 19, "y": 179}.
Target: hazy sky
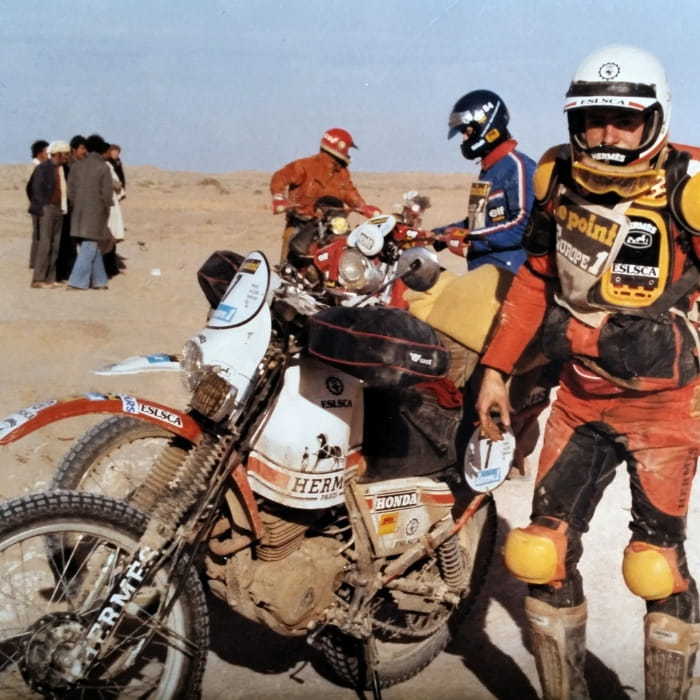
{"x": 216, "y": 86}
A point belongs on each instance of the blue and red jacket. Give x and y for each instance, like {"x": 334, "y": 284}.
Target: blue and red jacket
{"x": 497, "y": 229}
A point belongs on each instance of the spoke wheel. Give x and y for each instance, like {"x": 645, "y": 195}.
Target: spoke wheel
{"x": 112, "y": 458}
{"x": 49, "y": 596}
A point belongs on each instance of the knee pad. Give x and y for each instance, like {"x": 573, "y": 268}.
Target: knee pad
{"x": 652, "y": 572}
{"x": 537, "y": 553}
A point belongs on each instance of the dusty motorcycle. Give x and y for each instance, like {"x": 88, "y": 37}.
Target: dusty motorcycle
{"x": 364, "y": 262}
{"x": 264, "y": 492}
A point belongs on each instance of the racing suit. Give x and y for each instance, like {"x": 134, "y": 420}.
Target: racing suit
{"x": 302, "y": 182}
{"x": 612, "y": 285}
{"x": 499, "y": 204}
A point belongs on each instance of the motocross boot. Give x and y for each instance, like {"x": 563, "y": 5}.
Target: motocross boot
{"x": 558, "y": 638}
{"x": 669, "y": 656}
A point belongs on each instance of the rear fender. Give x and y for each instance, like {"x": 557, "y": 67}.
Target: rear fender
{"x": 29, "y": 419}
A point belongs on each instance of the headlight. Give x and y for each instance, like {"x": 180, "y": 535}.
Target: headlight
{"x": 192, "y": 365}
{"x": 339, "y": 225}
{"x": 213, "y": 396}
{"x": 357, "y": 273}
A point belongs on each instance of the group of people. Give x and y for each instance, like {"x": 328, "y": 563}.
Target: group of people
{"x": 602, "y": 236}
{"x": 74, "y": 193}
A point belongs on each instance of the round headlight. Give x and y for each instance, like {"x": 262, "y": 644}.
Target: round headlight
{"x": 339, "y": 225}
{"x": 357, "y": 273}
{"x": 192, "y": 365}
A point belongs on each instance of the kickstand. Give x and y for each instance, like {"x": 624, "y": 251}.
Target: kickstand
{"x": 368, "y": 670}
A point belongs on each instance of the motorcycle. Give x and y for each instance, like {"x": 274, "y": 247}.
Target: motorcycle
{"x": 364, "y": 262}
{"x": 262, "y": 490}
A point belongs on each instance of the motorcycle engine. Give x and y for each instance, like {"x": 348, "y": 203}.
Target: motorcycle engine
{"x": 285, "y": 582}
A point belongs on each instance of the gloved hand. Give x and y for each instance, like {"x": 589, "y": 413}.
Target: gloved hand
{"x": 279, "y": 204}
{"x": 439, "y": 240}
{"x": 455, "y": 241}
{"x": 369, "y": 211}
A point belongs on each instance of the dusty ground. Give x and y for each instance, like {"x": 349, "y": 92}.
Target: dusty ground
{"x": 50, "y": 341}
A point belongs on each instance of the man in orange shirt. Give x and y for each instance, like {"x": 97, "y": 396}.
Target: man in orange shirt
{"x": 297, "y": 186}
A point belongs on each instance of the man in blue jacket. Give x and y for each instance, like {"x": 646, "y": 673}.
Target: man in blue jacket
{"x": 501, "y": 197}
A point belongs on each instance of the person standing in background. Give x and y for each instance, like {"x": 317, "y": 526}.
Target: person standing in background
{"x": 115, "y": 222}
{"x": 115, "y": 159}
{"x": 90, "y": 193}
{"x": 49, "y": 202}
{"x": 68, "y": 249}
{"x": 78, "y": 149}
{"x": 40, "y": 152}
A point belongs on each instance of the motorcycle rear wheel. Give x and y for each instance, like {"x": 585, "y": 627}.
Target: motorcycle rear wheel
{"x": 48, "y": 598}
{"x": 111, "y": 458}
{"x": 397, "y": 661}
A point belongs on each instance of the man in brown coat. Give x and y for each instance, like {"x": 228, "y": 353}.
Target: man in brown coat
{"x": 90, "y": 193}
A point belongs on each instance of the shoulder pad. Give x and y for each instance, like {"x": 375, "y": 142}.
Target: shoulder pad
{"x": 688, "y": 203}
{"x": 543, "y": 178}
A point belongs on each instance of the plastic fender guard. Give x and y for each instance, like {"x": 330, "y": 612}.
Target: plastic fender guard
{"x": 156, "y": 362}
{"x": 29, "y": 419}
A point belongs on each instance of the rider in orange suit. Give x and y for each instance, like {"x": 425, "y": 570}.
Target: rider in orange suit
{"x": 297, "y": 186}
{"x": 611, "y": 282}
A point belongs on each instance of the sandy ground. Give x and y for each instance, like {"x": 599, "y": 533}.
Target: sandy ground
{"x": 51, "y": 340}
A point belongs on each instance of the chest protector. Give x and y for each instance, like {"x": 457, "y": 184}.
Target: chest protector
{"x": 628, "y": 284}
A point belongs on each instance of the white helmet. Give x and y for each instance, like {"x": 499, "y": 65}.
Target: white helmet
{"x": 619, "y": 77}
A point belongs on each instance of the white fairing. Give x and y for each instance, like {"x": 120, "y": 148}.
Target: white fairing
{"x": 369, "y": 236}
{"x": 312, "y": 435}
{"x": 238, "y": 332}
{"x": 399, "y": 512}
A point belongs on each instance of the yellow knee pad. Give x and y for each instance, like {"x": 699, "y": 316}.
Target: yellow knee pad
{"x": 652, "y": 572}
{"x": 536, "y": 554}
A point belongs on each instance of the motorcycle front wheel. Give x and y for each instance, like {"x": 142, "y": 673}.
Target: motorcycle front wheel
{"x": 398, "y": 656}
{"x": 111, "y": 458}
{"x": 49, "y": 596}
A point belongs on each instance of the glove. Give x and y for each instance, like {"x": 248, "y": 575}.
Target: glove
{"x": 439, "y": 242}
{"x": 369, "y": 211}
{"x": 279, "y": 204}
{"x": 456, "y": 243}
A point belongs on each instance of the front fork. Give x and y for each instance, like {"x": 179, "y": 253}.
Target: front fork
{"x": 191, "y": 476}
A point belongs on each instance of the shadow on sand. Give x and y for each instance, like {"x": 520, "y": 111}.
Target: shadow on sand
{"x": 496, "y": 670}
{"x": 268, "y": 653}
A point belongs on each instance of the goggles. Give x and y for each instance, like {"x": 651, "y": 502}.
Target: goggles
{"x": 625, "y": 184}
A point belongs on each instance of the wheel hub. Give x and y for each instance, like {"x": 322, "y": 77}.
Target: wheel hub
{"x": 47, "y": 659}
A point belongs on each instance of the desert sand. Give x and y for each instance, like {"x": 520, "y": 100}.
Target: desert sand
{"x": 52, "y": 339}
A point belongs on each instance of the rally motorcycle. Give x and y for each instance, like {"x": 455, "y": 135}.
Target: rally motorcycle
{"x": 349, "y": 264}
{"x": 259, "y": 491}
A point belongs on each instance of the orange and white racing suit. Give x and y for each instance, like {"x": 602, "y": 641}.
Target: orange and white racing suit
{"x": 612, "y": 285}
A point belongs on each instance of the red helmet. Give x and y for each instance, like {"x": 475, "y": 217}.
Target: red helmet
{"x": 338, "y": 143}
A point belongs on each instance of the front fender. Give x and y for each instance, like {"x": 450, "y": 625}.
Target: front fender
{"x": 29, "y": 419}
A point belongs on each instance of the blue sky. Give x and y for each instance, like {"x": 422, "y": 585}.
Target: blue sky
{"x": 223, "y": 85}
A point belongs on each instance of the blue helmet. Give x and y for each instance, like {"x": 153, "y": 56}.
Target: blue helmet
{"x": 486, "y": 113}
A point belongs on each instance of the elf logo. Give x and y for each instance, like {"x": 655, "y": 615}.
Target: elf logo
{"x": 638, "y": 239}
{"x": 497, "y": 212}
